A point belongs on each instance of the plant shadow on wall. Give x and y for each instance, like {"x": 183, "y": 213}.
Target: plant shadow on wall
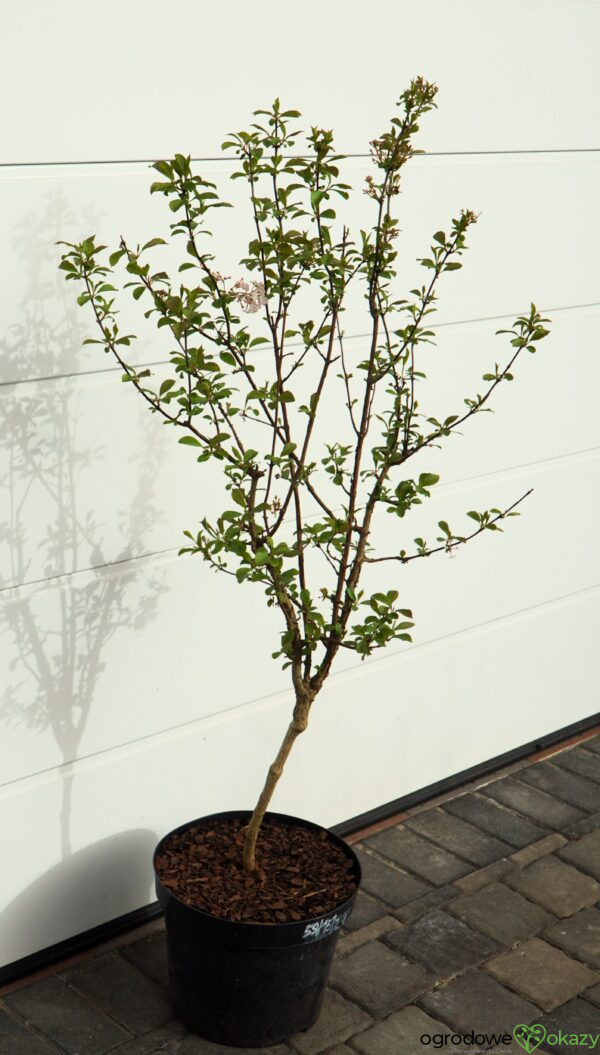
{"x": 63, "y": 598}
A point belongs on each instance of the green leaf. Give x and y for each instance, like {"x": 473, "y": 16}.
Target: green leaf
{"x": 152, "y": 242}
{"x": 166, "y": 385}
{"x": 428, "y": 479}
{"x": 190, "y": 441}
{"x": 164, "y": 168}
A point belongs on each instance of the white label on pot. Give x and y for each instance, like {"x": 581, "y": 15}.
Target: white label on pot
{"x": 322, "y": 927}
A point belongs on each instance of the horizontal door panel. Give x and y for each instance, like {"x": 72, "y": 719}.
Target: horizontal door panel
{"x": 516, "y": 255}
{"x": 89, "y": 477}
{"x": 370, "y": 740}
{"x": 103, "y": 659}
{"x": 121, "y": 83}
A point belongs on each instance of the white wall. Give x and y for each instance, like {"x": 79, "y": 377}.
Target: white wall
{"x": 138, "y": 689}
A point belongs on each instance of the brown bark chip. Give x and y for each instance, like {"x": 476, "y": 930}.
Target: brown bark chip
{"x": 300, "y": 874}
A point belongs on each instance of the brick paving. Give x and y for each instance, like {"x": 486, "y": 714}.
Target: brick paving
{"x": 478, "y": 912}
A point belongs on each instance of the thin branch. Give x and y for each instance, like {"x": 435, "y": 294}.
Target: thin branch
{"x": 153, "y": 399}
{"x": 469, "y": 414}
{"x": 454, "y": 541}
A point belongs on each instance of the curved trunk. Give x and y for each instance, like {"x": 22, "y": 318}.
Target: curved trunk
{"x": 297, "y": 725}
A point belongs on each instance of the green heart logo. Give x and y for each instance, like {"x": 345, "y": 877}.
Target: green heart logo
{"x": 529, "y": 1037}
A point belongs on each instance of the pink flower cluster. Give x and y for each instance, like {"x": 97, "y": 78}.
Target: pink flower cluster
{"x": 250, "y": 295}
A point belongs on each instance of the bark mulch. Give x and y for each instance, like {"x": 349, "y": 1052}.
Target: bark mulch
{"x": 300, "y": 874}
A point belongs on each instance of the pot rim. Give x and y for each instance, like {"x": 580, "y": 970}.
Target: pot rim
{"x": 248, "y": 926}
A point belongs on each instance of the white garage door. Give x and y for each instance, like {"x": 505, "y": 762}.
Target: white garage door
{"x": 138, "y": 689}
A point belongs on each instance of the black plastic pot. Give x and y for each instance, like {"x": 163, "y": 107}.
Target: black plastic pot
{"x": 249, "y": 984}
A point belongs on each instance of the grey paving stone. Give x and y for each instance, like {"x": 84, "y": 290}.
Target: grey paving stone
{"x": 442, "y": 944}
{"x": 593, "y": 744}
{"x": 66, "y": 1017}
{"x": 340, "y": 1049}
{"x": 592, "y": 994}
{"x": 476, "y": 1001}
{"x": 389, "y": 884}
{"x": 584, "y": 853}
{"x": 419, "y": 855}
{"x": 192, "y": 1045}
{"x": 339, "y": 1020}
{"x": 349, "y": 942}
{"x": 459, "y": 837}
{"x": 484, "y": 876}
{"x": 578, "y": 760}
{"x": 437, "y": 898}
{"x": 123, "y": 992}
{"x": 501, "y": 913}
{"x": 167, "y": 1040}
{"x": 366, "y": 910}
{"x": 17, "y": 1039}
{"x": 401, "y": 1032}
{"x": 579, "y": 936}
{"x": 574, "y": 1018}
{"x": 555, "y": 885}
{"x": 545, "y": 809}
{"x": 545, "y": 846}
{"x": 496, "y": 819}
{"x": 561, "y": 784}
{"x": 149, "y": 955}
{"x": 541, "y": 973}
{"x": 582, "y": 827}
{"x": 378, "y": 979}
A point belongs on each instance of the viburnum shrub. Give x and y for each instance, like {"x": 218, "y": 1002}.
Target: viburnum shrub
{"x": 287, "y": 501}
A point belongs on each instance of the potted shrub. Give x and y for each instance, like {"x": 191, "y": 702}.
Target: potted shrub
{"x": 254, "y": 900}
